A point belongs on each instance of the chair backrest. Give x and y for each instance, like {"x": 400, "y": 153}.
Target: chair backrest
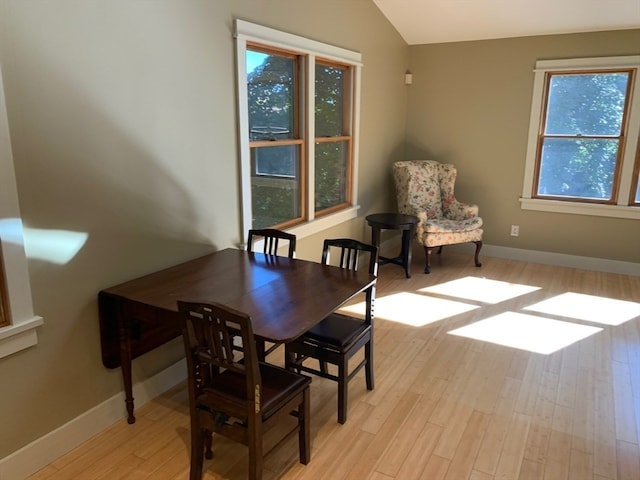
{"x": 350, "y": 252}
{"x": 423, "y": 185}
{"x": 208, "y": 332}
{"x": 272, "y": 238}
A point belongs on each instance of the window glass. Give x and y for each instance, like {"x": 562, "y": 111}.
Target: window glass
{"x": 331, "y": 174}
{"x": 586, "y": 104}
{"x": 582, "y": 168}
{"x": 276, "y": 194}
{"x": 275, "y": 160}
{"x": 330, "y": 99}
{"x": 271, "y": 89}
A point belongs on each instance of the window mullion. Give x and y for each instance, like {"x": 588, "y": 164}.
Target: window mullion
{"x": 355, "y": 131}
{"x": 309, "y": 121}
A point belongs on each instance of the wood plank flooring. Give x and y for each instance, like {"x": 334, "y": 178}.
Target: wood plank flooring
{"x": 445, "y": 407}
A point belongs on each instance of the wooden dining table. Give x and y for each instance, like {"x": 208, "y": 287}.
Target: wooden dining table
{"x": 284, "y": 297}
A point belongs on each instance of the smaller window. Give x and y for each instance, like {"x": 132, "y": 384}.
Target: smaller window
{"x": 583, "y": 137}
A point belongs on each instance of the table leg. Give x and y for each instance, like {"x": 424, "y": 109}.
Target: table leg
{"x": 125, "y": 366}
{"x": 407, "y": 235}
{"x": 375, "y": 237}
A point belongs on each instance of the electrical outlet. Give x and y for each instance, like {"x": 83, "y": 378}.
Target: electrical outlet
{"x": 515, "y": 230}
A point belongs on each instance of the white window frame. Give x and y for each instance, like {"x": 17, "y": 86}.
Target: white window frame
{"x": 21, "y": 333}
{"x": 249, "y": 32}
{"x": 622, "y": 209}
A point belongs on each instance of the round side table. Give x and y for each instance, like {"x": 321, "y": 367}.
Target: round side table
{"x": 394, "y": 221}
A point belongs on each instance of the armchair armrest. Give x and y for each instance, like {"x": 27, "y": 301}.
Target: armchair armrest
{"x": 455, "y": 210}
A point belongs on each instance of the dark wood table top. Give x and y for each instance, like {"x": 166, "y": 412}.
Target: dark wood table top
{"x": 284, "y": 297}
{"x": 391, "y": 221}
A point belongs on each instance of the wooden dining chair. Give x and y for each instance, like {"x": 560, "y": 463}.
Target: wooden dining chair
{"x": 239, "y": 399}
{"x": 338, "y": 337}
{"x": 270, "y": 246}
{"x": 272, "y": 239}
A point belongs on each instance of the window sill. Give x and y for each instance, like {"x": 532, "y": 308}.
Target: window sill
{"x": 19, "y": 337}
{"x": 555, "y": 206}
{"x": 322, "y": 223}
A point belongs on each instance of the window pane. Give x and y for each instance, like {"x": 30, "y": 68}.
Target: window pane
{"x": 276, "y": 161}
{"x": 275, "y": 185}
{"x": 330, "y": 174}
{"x": 270, "y": 90}
{"x": 586, "y": 104}
{"x": 638, "y": 190}
{"x": 581, "y": 168}
{"x": 330, "y": 98}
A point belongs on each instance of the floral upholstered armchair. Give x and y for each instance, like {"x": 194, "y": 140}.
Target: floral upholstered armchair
{"x": 424, "y": 188}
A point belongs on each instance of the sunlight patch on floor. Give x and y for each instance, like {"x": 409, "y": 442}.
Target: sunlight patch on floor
{"x": 526, "y": 332}
{"x": 480, "y": 289}
{"x": 590, "y": 308}
{"x": 412, "y": 309}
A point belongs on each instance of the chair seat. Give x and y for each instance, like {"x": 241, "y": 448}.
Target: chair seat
{"x": 278, "y": 385}
{"x": 338, "y": 330}
{"x": 443, "y": 225}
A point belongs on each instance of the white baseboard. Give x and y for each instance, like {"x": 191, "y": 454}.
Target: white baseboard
{"x": 46, "y": 449}
{"x": 533, "y": 256}
{"x": 550, "y": 258}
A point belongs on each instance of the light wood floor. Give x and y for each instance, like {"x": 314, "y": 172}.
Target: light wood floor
{"x": 444, "y": 406}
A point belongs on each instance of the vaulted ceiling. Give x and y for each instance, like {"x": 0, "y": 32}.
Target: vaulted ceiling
{"x": 440, "y": 21}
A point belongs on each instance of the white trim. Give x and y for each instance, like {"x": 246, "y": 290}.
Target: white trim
{"x": 322, "y": 223}
{"x": 595, "y": 209}
{"x": 622, "y": 209}
{"x": 554, "y": 259}
{"x": 243, "y": 136}
{"x": 311, "y": 228}
{"x": 21, "y": 333}
{"x": 60, "y": 441}
{"x": 630, "y": 61}
{"x": 563, "y": 260}
{"x": 276, "y": 38}
{"x": 19, "y": 336}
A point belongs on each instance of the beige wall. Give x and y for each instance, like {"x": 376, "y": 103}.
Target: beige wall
{"x": 123, "y": 125}
{"x": 469, "y": 105}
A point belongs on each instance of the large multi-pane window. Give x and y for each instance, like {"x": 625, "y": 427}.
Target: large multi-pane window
{"x": 583, "y": 140}
{"x": 298, "y": 116}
